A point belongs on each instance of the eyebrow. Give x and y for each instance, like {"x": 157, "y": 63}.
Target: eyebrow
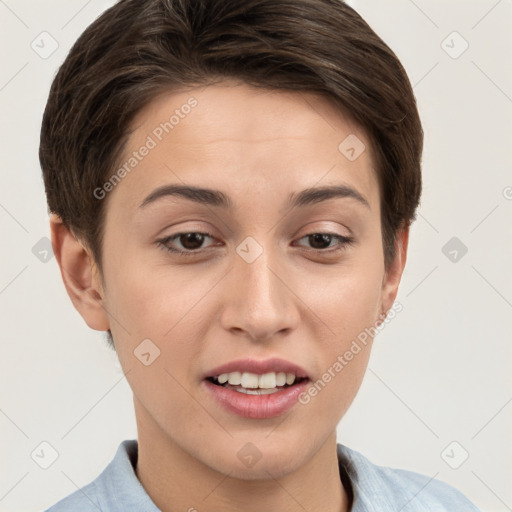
{"x": 220, "y": 199}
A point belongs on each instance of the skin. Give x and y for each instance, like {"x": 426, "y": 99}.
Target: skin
{"x": 293, "y": 301}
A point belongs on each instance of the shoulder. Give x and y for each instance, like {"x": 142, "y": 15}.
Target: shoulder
{"x": 85, "y": 499}
{"x": 116, "y": 489}
{"x": 384, "y": 488}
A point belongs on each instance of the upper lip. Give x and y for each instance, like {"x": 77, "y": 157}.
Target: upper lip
{"x": 258, "y": 366}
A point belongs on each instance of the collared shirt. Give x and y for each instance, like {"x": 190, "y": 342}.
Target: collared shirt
{"x": 371, "y": 488}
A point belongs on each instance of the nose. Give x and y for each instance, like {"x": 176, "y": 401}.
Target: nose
{"x": 260, "y": 303}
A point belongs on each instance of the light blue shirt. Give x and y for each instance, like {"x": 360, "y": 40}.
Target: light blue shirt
{"x": 374, "y": 488}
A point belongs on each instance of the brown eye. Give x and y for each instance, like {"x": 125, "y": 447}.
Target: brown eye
{"x": 322, "y": 241}
{"x": 189, "y": 243}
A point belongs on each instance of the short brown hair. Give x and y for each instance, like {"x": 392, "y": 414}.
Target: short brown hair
{"x": 140, "y": 48}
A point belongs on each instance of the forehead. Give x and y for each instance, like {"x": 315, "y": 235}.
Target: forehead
{"x": 237, "y": 111}
{"x": 243, "y": 139}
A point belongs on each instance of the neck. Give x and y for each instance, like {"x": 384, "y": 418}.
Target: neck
{"x": 177, "y": 481}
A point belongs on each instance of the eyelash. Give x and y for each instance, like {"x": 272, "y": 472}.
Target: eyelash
{"x": 344, "y": 241}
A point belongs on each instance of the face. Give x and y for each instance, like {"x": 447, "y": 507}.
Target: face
{"x": 257, "y": 273}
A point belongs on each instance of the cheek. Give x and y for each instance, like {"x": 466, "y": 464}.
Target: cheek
{"x": 345, "y": 297}
{"x": 166, "y": 306}
{"x": 158, "y": 335}
{"x": 150, "y": 300}
{"x": 348, "y": 304}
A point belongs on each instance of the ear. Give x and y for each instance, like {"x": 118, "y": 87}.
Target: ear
{"x": 393, "y": 274}
{"x": 79, "y": 274}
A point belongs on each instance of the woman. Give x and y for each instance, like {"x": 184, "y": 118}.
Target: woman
{"x": 231, "y": 186}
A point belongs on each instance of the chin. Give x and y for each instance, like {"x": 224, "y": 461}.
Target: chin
{"x": 264, "y": 458}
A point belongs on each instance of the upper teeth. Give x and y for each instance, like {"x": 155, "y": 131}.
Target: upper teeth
{"x": 253, "y": 381}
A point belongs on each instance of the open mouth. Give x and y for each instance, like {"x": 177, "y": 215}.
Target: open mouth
{"x": 260, "y": 393}
{"x": 254, "y": 384}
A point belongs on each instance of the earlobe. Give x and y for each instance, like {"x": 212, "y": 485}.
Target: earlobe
{"x": 393, "y": 274}
{"x": 79, "y": 274}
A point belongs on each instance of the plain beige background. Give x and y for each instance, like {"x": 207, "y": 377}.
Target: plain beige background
{"x": 438, "y": 387}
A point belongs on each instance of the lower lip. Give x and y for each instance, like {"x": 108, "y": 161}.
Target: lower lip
{"x": 256, "y": 406}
